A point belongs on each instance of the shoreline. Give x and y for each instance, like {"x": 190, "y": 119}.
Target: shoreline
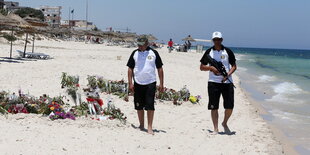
{"x": 288, "y": 147}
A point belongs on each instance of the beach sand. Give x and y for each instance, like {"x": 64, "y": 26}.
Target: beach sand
{"x": 178, "y": 129}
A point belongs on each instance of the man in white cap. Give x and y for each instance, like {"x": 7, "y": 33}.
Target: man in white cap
{"x": 218, "y": 84}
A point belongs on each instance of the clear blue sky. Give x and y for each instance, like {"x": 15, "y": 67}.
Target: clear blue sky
{"x": 244, "y": 23}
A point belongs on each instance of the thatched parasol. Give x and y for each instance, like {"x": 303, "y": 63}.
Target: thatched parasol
{"x": 188, "y": 38}
{"x": 35, "y": 21}
{"x": 5, "y": 21}
{"x": 17, "y": 18}
{"x": 8, "y": 23}
{"x": 150, "y": 37}
{"x": 130, "y": 39}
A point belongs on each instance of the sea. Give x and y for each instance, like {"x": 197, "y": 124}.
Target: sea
{"x": 279, "y": 80}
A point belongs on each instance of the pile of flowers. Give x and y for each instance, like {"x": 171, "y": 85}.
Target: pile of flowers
{"x": 114, "y": 113}
{"x": 71, "y": 84}
{"x": 25, "y": 103}
{"x": 12, "y": 103}
{"x": 57, "y": 111}
{"x": 97, "y": 84}
{"x": 195, "y": 99}
{"x": 80, "y": 110}
{"x": 118, "y": 88}
{"x": 177, "y": 97}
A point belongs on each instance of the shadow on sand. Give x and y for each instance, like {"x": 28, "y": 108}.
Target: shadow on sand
{"x": 145, "y": 130}
{"x": 224, "y": 133}
{"x": 14, "y": 60}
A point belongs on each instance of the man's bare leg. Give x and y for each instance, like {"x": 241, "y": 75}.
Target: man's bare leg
{"x": 228, "y": 113}
{"x": 150, "y": 116}
{"x": 215, "y": 117}
{"x": 141, "y": 119}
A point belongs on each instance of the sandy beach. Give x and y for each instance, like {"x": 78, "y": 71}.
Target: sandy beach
{"x": 178, "y": 129}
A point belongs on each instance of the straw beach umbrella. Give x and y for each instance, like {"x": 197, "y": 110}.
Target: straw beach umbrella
{"x": 188, "y": 38}
{"x": 18, "y": 19}
{"x": 150, "y": 37}
{"x": 8, "y": 23}
{"x": 34, "y": 23}
{"x": 5, "y": 21}
{"x": 25, "y": 26}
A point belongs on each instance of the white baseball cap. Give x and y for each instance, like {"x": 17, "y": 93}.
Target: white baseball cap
{"x": 217, "y": 34}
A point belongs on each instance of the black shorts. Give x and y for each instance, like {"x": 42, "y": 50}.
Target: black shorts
{"x": 144, "y": 96}
{"x": 215, "y": 90}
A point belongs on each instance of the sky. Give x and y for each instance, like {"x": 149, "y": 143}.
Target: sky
{"x": 244, "y": 23}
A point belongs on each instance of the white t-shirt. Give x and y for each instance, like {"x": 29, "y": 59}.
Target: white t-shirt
{"x": 226, "y": 56}
{"x": 144, "y": 65}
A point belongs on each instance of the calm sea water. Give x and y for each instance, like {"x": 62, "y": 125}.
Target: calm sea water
{"x": 279, "y": 79}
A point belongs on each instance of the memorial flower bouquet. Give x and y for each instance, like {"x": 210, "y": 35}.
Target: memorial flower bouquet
{"x": 71, "y": 84}
{"x": 114, "y": 113}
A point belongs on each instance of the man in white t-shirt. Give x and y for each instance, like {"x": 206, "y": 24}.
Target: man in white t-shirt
{"x": 142, "y": 66}
{"x": 218, "y": 84}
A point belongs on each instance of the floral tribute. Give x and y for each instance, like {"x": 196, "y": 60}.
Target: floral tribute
{"x": 24, "y": 103}
{"x": 71, "y": 84}
{"x": 177, "y": 97}
{"x": 118, "y": 88}
{"x": 57, "y": 108}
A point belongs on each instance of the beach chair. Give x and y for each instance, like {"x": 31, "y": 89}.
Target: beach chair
{"x": 20, "y": 53}
{"x": 39, "y": 55}
{"x": 33, "y": 55}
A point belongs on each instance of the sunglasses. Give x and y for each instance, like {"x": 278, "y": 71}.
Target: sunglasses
{"x": 217, "y": 39}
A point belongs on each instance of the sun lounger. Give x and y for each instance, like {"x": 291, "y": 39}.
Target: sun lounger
{"x": 33, "y": 55}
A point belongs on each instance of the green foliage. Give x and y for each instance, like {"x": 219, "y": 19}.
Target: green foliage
{"x": 71, "y": 84}
{"x": 96, "y": 29}
{"x": 69, "y": 81}
{"x": 4, "y": 12}
{"x": 24, "y": 12}
{"x": 114, "y": 113}
{"x": 3, "y": 111}
{"x": 9, "y": 37}
{"x": 80, "y": 110}
{"x": 172, "y": 95}
{"x": 92, "y": 81}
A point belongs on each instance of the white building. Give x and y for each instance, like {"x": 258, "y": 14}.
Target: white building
{"x": 78, "y": 24}
{"x": 52, "y": 15}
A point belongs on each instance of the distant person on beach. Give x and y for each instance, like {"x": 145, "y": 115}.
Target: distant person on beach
{"x": 142, "y": 65}
{"x": 189, "y": 44}
{"x": 219, "y": 85}
{"x": 185, "y": 47}
{"x": 170, "y": 45}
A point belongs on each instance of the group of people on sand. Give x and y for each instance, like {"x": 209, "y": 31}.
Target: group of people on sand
{"x": 145, "y": 61}
{"x": 186, "y": 46}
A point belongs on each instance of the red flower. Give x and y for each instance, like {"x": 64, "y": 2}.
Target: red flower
{"x": 24, "y": 110}
{"x": 77, "y": 85}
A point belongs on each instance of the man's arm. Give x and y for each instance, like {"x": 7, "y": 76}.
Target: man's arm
{"x": 232, "y": 70}
{"x": 130, "y": 75}
{"x": 209, "y": 68}
{"x": 161, "y": 78}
